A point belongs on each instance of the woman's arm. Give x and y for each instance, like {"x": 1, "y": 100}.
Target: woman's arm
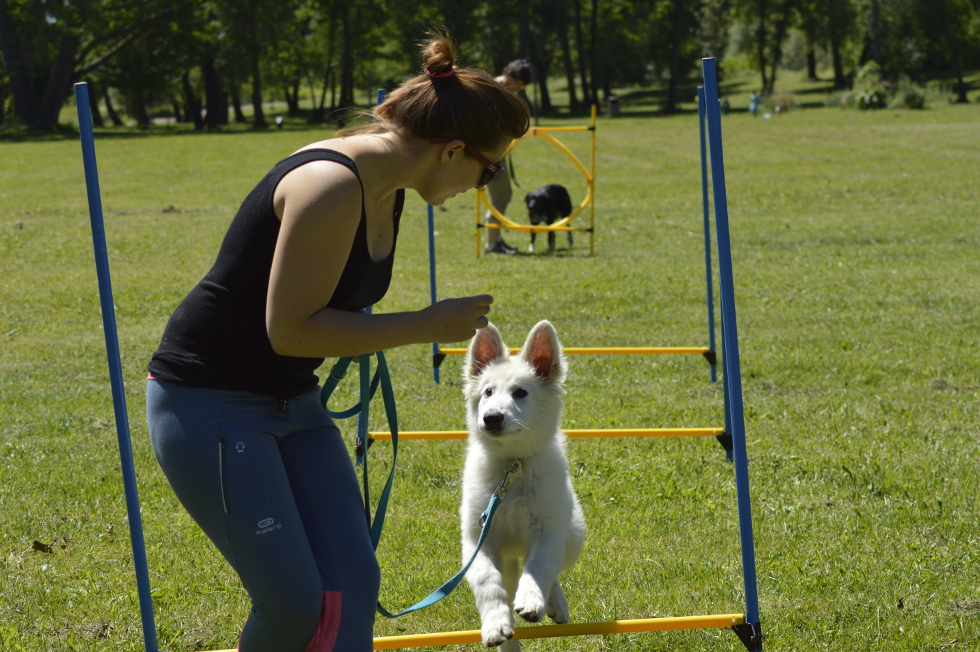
{"x": 321, "y": 209}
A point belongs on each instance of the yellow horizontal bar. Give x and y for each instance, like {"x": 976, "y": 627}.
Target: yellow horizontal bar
{"x": 528, "y": 228}
{"x": 612, "y": 350}
{"x": 536, "y": 129}
{"x": 608, "y": 432}
{"x": 553, "y": 631}
{"x": 573, "y": 629}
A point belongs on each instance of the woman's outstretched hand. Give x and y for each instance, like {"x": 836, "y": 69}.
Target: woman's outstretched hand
{"x": 456, "y": 320}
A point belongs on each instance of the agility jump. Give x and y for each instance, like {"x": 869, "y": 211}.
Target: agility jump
{"x": 746, "y": 625}
{"x": 562, "y": 224}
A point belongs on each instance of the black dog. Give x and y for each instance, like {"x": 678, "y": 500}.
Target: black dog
{"x": 547, "y": 205}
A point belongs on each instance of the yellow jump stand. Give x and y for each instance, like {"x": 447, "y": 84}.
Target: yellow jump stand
{"x": 482, "y": 200}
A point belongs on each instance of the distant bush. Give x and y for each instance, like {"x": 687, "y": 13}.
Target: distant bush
{"x": 908, "y": 96}
{"x": 875, "y": 97}
{"x": 871, "y": 92}
{"x": 835, "y": 99}
{"x": 785, "y": 102}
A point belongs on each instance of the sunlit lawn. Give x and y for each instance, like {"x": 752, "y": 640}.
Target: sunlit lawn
{"x": 855, "y": 239}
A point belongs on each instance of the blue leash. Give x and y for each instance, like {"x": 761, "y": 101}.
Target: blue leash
{"x": 368, "y": 389}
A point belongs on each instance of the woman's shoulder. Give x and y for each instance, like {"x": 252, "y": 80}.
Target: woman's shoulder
{"x": 320, "y": 185}
{"x": 342, "y": 146}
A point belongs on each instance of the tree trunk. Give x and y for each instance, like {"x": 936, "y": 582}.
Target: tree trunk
{"x": 3, "y": 102}
{"x": 779, "y": 35}
{"x": 138, "y": 110}
{"x": 292, "y": 97}
{"x": 257, "y": 110}
{"x": 566, "y": 57}
{"x": 20, "y": 83}
{"x": 58, "y": 86}
{"x": 346, "y": 61}
{"x": 109, "y": 109}
{"x": 840, "y": 81}
{"x": 192, "y": 105}
{"x": 810, "y": 40}
{"x": 321, "y": 108}
{"x": 524, "y": 31}
{"x": 954, "y": 55}
{"x": 542, "y": 70}
{"x": 760, "y": 36}
{"x": 675, "y": 59}
{"x": 236, "y": 101}
{"x": 215, "y": 101}
{"x": 93, "y": 105}
{"x": 255, "y": 56}
{"x": 593, "y": 50}
{"x": 580, "y": 43}
{"x": 875, "y": 31}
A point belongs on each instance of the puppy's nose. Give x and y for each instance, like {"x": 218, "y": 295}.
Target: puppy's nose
{"x": 494, "y": 421}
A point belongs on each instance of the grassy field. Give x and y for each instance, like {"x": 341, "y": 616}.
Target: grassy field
{"x": 855, "y": 239}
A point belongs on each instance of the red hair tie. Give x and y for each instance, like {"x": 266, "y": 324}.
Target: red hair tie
{"x": 448, "y": 73}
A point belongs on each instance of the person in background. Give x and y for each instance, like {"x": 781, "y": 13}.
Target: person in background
{"x": 232, "y": 399}
{"x": 515, "y": 76}
{"x": 754, "y": 104}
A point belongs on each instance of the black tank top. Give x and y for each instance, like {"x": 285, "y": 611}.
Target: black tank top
{"x": 217, "y": 336}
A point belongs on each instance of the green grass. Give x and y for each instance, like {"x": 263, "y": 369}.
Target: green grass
{"x": 857, "y": 282}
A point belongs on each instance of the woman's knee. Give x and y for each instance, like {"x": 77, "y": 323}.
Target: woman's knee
{"x": 364, "y": 577}
{"x": 298, "y": 607}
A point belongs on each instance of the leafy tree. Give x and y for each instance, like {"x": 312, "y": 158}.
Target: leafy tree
{"x": 144, "y": 73}
{"x": 769, "y": 22}
{"x": 48, "y": 46}
{"x": 839, "y": 25}
{"x": 714, "y": 26}
{"x": 954, "y": 22}
{"x": 255, "y": 28}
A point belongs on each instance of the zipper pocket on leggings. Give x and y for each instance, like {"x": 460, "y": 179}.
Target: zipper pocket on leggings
{"x": 221, "y": 475}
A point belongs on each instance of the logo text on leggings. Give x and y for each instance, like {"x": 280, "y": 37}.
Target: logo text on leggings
{"x": 267, "y": 525}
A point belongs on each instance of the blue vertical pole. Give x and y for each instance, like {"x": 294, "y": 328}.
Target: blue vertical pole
{"x": 730, "y": 361}
{"x": 362, "y": 417}
{"x": 115, "y": 366}
{"x": 432, "y": 286}
{"x": 707, "y": 236}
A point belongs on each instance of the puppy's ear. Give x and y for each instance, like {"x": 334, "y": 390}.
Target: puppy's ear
{"x": 485, "y": 347}
{"x": 542, "y": 351}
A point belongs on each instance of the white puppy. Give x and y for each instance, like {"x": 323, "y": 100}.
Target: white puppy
{"x": 514, "y": 406}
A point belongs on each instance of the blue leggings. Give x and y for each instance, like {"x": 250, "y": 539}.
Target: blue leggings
{"x": 277, "y": 494}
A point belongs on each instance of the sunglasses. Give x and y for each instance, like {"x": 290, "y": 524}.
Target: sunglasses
{"x": 490, "y": 170}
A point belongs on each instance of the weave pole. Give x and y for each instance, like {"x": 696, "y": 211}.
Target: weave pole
{"x": 436, "y": 359}
{"x": 115, "y": 366}
{"x": 707, "y": 234}
{"x": 750, "y": 632}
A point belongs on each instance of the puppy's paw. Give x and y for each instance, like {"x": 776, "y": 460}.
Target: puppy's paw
{"x": 558, "y": 605}
{"x": 497, "y": 632}
{"x": 529, "y": 604}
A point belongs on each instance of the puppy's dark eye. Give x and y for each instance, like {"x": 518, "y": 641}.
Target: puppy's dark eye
{"x": 488, "y": 393}
{"x": 520, "y": 392}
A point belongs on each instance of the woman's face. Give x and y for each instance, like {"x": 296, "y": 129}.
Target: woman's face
{"x": 462, "y": 173}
